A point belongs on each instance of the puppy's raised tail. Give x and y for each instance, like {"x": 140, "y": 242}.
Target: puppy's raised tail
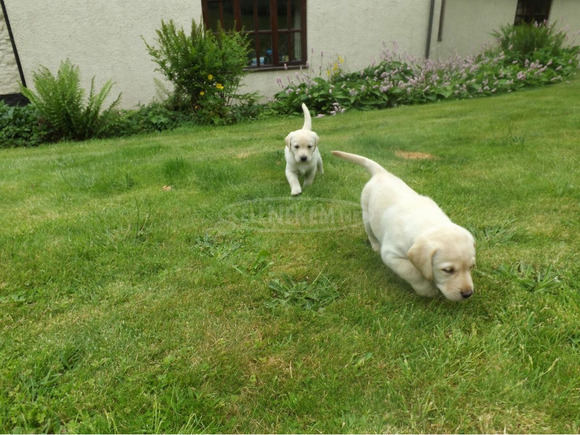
{"x": 307, "y": 120}
{"x": 370, "y": 165}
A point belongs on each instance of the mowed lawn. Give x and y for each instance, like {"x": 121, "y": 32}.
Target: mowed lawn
{"x": 169, "y": 283}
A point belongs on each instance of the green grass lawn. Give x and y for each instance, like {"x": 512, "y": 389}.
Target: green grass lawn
{"x": 220, "y": 304}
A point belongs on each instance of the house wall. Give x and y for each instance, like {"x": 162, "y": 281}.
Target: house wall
{"x": 102, "y": 37}
{"x": 467, "y": 25}
{"x": 566, "y": 15}
{"x": 9, "y": 77}
{"x": 105, "y": 38}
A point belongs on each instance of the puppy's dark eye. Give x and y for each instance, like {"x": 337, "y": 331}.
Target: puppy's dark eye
{"x": 448, "y": 270}
{"x": 296, "y": 147}
{"x": 309, "y": 147}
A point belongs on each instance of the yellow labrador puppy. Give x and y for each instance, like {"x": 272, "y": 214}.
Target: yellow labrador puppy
{"x": 302, "y": 155}
{"x": 414, "y": 236}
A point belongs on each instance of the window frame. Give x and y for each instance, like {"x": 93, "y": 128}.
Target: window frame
{"x": 277, "y": 32}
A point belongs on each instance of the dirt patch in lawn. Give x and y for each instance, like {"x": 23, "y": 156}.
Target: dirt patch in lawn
{"x": 415, "y": 155}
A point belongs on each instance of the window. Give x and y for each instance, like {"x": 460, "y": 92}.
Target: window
{"x": 530, "y": 11}
{"x": 277, "y": 28}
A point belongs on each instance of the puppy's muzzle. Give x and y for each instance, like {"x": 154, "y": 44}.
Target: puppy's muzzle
{"x": 303, "y": 158}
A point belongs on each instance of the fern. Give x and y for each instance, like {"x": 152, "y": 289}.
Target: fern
{"x": 60, "y": 101}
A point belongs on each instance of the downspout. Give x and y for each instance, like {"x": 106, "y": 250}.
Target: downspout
{"x": 430, "y": 29}
{"x": 441, "y": 18}
{"x": 14, "y": 50}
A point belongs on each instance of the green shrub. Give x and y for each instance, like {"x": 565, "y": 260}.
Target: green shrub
{"x": 205, "y": 68}
{"x": 60, "y": 102}
{"x": 523, "y": 41}
{"x": 19, "y": 126}
{"x": 538, "y": 44}
{"x": 153, "y": 117}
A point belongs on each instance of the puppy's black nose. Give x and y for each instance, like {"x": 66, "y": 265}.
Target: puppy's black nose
{"x": 303, "y": 158}
{"x": 466, "y": 293}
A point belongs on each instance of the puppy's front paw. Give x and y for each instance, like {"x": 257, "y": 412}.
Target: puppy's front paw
{"x": 296, "y": 191}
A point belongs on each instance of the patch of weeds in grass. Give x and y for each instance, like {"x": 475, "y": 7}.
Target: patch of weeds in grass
{"x": 175, "y": 170}
{"x": 139, "y": 228}
{"x": 500, "y": 233}
{"x": 566, "y": 188}
{"x": 262, "y": 263}
{"x": 218, "y": 176}
{"x": 530, "y": 278}
{"x": 215, "y": 247}
{"x": 310, "y": 296}
{"x": 510, "y": 139}
{"x": 358, "y": 360}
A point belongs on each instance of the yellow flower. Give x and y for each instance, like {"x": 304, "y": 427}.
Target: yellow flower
{"x": 210, "y": 77}
{"x": 202, "y": 93}
{"x": 219, "y": 86}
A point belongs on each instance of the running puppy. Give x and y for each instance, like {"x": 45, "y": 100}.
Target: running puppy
{"x": 302, "y": 156}
{"x": 414, "y": 236}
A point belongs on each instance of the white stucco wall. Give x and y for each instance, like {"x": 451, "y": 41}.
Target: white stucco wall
{"x": 468, "y": 24}
{"x": 566, "y": 15}
{"x": 104, "y": 38}
{"x": 9, "y": 77}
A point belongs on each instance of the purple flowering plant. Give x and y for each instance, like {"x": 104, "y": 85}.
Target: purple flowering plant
{"x": 397, "y": 79}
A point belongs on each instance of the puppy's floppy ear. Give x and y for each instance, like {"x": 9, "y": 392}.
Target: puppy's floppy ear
{"x": 288, "y": 139}
{"x": 421, "y": 256}
{"x": 316, "y": 138}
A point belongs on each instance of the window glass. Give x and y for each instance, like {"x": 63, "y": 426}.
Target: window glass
{"x": 213, "y": 15}
{"x": 247, "y": 16}
{"x": 296, "y": 38}
{"x": 283, "y": 23}
{"x": 264, "y": 21}
{"x": 229, "y": 18}
{"x": 266, "y": 52}
{"x": 296, "y": 14}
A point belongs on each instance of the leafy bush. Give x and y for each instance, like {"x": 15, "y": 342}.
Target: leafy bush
{"x": 537, "y": 44}
{"x": 205, "y": 68}
{"x": 153, "y": 117}
{"x": 60, "y": 103}
{"x": 19, "y": 126}
{"x": 524, "y": 41}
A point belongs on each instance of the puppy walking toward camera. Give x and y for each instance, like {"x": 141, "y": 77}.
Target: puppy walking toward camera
{"x": 302, "y": 155}
{"x": 414, "y": 236}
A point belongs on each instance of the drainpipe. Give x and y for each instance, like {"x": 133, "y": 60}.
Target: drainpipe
{"x": 430, "y": 29}
{"x": 14, "y": 50}
{"x": 441, "y": 18}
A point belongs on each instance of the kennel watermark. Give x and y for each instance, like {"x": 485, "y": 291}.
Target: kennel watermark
{"x": 293, "y": 215}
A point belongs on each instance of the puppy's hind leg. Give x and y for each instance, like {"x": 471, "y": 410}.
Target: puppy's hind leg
{"x": 364, "y": 202}
{"x": 309, "y": 177}
{"x": 375, "y": 244}
{"x": 319, "y": 167}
